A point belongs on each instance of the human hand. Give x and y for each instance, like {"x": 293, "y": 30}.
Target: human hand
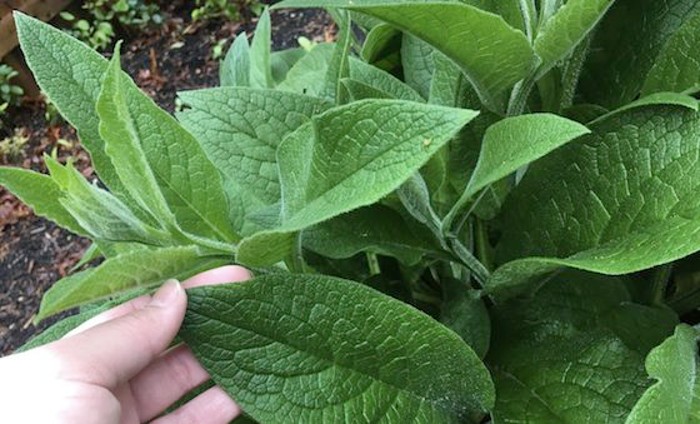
{"x": 116, "y": 368}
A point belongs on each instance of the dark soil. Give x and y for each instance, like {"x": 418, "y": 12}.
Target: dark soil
{"x": 34, "y": 253}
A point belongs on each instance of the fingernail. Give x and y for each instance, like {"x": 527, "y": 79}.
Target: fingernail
{"x": 167, "y": 293}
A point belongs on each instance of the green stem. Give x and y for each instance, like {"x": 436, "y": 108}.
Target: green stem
{"x": 295, "y": 262}
{"x": 449, "y": 229}
{"x": 659, "y": 282}
{"x": 373, "y": 264}
{"x": 480, "y": 273}
{"x": 521, "y": 93}
{"x": 483, "y": 248}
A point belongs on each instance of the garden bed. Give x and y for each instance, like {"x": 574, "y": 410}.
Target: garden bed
{"x": 34, "y": 253}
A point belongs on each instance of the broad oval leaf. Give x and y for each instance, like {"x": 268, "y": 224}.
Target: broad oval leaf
{"x": 677, "y": 68}
{"x": 561, "y": 33}
{"x": 240, "y": 130}
{"x": 377, "y": 229}
{"x": 447, "y": 25}
{"x": 70, "y": 73}
{"x": 673, "y": 399}
{"x": 348, "y": 157}
{"x": 514, "y": 142}
{"x": 353, "y": 155}
{"x": 320, "y": 349}
{"x": 141, "y": 268}
{"x": 626, "y": 46}
{"x": 620, "y": 200}
{"x": 574, "y": 352}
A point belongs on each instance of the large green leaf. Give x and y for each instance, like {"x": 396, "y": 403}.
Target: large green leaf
{"x": 377, "y": 229}
{"x": 417, "y": 63}
{"x": 625, "y": 47}
{"x": 142, "y": 268}
{"x": 514, "y": 142}
{"x": 240, "y": 130}
{"x": 161, "y": 164}
{"x": 574, "y": 352}
{"x": 673, "y": 398}
{"x": 465, "y": 313}
{"x": 122, "y": 140}
{"x": 352, "y": 156}
{"x": 70, "y": 73}
{"x": 348, "y": 157}
{"x": 677, "y": 68}
{"x": 620, "y": 200}
{"x": 447, "y": 25}
{"x": 320, "y": 349}
{"x": 561, "y": 33}
{"x": 41, "y": 193}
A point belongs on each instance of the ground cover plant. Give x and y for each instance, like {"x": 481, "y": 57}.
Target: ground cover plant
{"x": 97, "y": 28}
{"x": 457, "y": 212}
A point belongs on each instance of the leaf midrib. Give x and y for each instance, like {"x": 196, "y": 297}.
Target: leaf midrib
{"x": 137, "y": 132}
{"x": 410, "y": 394}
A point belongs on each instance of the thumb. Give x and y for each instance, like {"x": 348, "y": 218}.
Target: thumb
{"x": 115, "y": 351}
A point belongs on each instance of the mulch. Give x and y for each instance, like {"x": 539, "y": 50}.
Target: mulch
{"x": 34, "y": 253}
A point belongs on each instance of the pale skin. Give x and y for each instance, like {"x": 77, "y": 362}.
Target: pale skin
{"x": 117, "y": 368}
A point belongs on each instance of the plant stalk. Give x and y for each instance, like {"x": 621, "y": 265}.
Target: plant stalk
{"x": 659, "y": 282}
{"x": 481, "y": 274}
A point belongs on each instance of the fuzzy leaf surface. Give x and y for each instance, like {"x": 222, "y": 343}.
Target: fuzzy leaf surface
{"x": 314, "y": 348}
{"x": 677, "y": 68}
{"x": 240, "y": 130}
{"x": 161, "y": 163}
{"x": 561, "y": 33}
{"x": 417, "y": 63}
{"x": 377, "y": 229}
{"x": 41, "y": 193}
{"x": 352, "y": 156}
{"x": 101, "y": 214}
{"x": 446, "y": 25}
{"x": 626, "y": 45}
{"x": 348, "y": 157}
{"x": 235, "y": 69}
{"x": 673, "y": 398}
{"x": 573, "y": 353}
{"x": 620, "y": 200}
{"x": 142, "y": 268}
{"x": 514, "y": 142}
{"x": 70, "y": 73}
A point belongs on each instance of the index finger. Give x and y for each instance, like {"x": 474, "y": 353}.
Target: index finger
{"x": 221, "y": 275}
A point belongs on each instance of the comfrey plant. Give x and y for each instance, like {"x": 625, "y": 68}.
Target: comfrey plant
{"x": 461, "y": 211}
